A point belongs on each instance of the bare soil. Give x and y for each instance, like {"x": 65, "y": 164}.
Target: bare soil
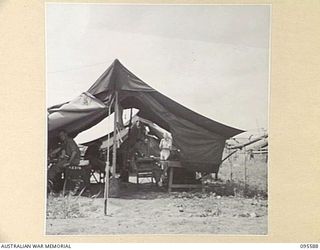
{"x": 227, "y": 207}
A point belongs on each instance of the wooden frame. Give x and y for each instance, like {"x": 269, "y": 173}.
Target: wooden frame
{"x": 144, "y": 170}
{"x": 176, "y": 164}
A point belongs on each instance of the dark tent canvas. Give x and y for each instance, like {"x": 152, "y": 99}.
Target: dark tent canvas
{"x": 75, "y": 116}
{"x": 200, "y": 140}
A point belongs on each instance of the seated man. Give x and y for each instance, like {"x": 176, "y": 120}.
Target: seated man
{"x": 69, "y": 155}
{"x": 93, "y": 155}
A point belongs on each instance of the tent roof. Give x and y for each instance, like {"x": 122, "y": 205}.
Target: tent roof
{"x": 119, "y": 78}
{"x": 200, "y": 139}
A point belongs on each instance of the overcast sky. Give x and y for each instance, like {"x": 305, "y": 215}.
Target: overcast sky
{"x": 213, "y": 59}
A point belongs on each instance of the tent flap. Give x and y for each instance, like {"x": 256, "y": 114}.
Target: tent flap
{"x": 80, "y": 114}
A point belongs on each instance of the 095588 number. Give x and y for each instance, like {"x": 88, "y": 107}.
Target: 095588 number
{"x": 309, "y": 246}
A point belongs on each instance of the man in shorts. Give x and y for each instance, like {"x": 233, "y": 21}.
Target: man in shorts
{"x": 69, "y": 155}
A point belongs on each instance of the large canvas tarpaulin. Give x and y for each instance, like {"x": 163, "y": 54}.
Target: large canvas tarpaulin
{"x": 200, "y": 140}
{"x": 75, "y": 116}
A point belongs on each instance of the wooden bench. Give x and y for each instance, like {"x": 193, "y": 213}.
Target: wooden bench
{"x": 176, "y": 164}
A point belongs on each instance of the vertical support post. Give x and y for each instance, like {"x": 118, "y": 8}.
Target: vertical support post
{"x": 128, "y": 151}
{"x": 267, "y": 157}
{"x": 170, "y": 178}
{"x": 130, "y": 122}
{"x": 129, "y": 136}
{"x": 107, "y": 169}
{"x": 267, "y": 178}
{"x": 114, "y": 150}
{"x": 106, "y": 187}
{"x": 245, "y": 171}
{"x": 231, "y": 170}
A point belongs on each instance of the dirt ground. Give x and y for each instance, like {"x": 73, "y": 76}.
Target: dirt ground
{"x": 225, "y": 208}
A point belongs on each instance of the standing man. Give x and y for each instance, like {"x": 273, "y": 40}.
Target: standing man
{"x": 165, "y": 148}
{"x": 137, "y": 132}
{"x": 69, "y": 155}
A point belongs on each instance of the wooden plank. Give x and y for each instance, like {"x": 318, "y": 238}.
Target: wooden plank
{"x": 174, "y": 164}
{"x": 186, "y": 186}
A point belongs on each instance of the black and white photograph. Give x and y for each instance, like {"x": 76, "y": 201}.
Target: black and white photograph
{"x": 157, "y": 119}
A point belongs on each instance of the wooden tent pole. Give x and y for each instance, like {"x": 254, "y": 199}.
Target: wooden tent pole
{"x": 231, "y": 170}
{"x": 130, "y": 123}
{"x": 106, "y": 182}
{"x": 128, "y": 149}
{"x": 245, "y": 172}
{"x": 114, "y": 150}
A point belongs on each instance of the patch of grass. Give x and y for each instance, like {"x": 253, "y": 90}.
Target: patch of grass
{"x": 64, "y": 207}
{"x": 236, "y": 189}
{"x": 232, "y": 180}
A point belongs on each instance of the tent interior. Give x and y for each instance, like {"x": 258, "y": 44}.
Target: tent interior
{"x": 133, "y": 146}
{"x": 198, "y": 141}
